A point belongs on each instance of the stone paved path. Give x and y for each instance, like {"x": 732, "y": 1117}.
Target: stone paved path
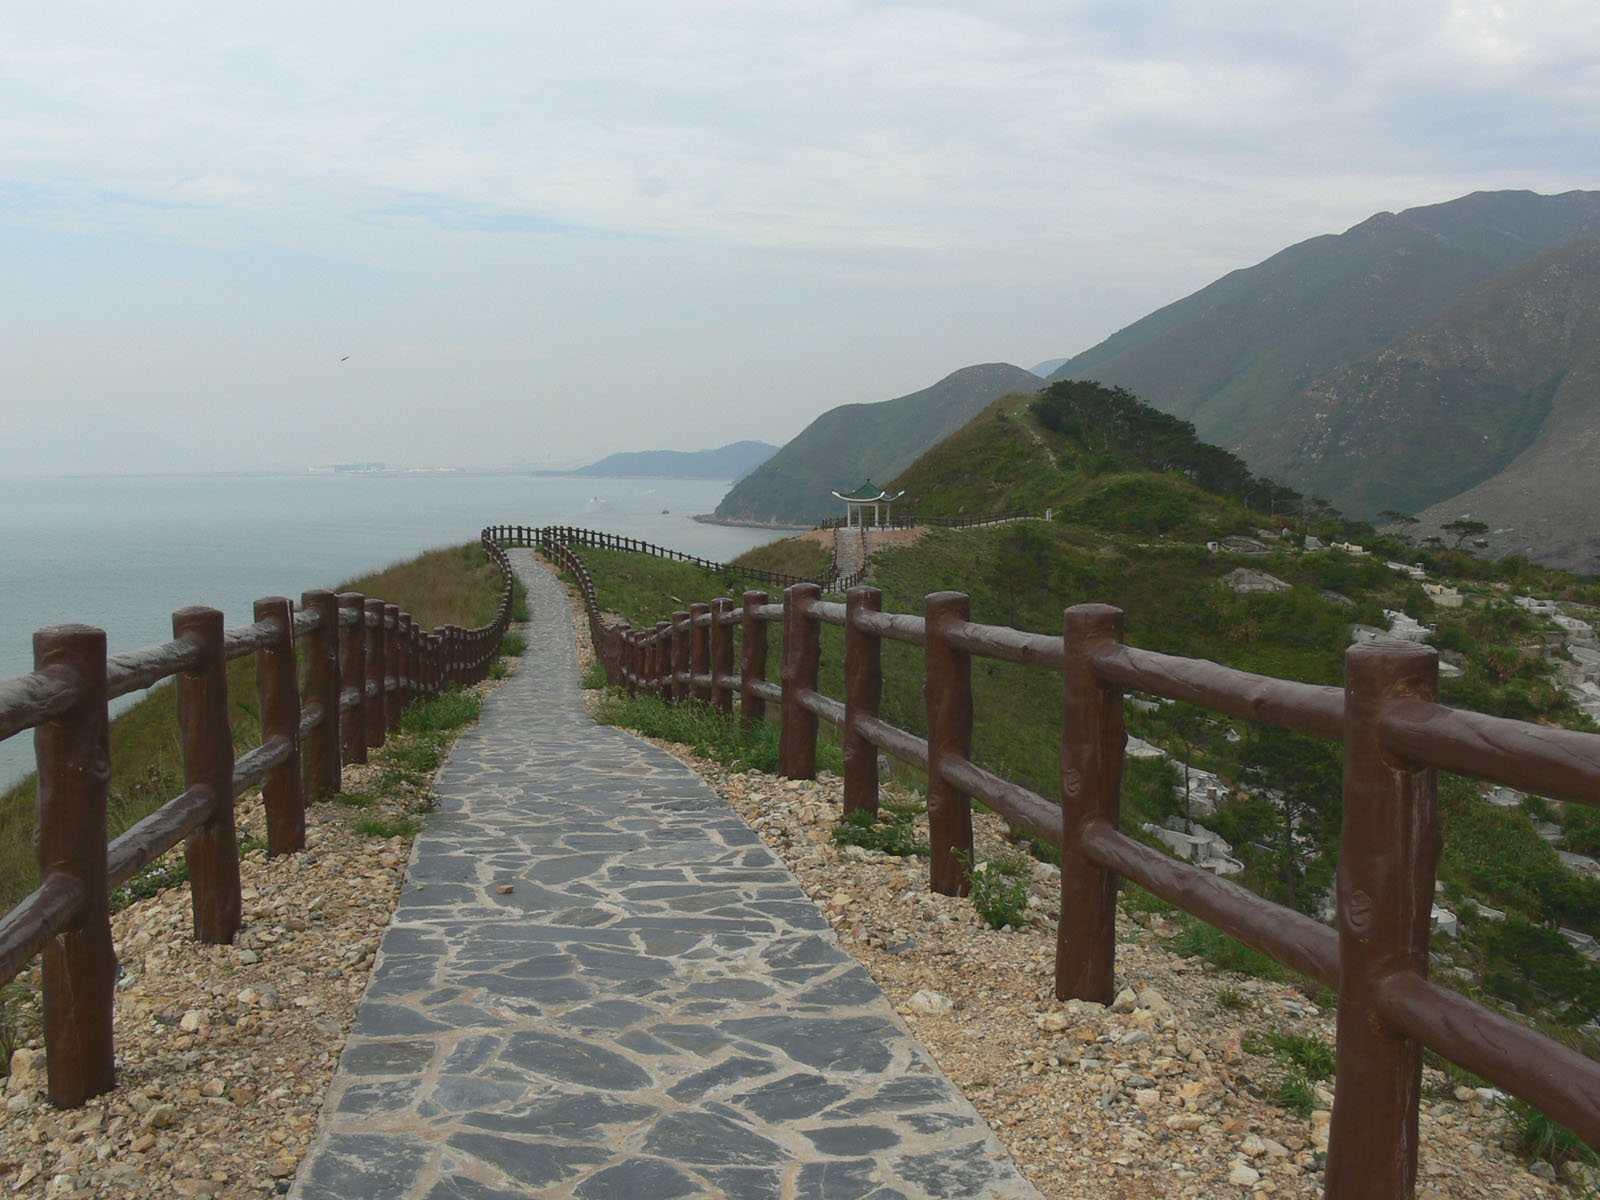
{"x": 653, "y": 1010}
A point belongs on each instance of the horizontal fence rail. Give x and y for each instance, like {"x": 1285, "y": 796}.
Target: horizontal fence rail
{"x": 1395, "y": 734}
{"x": 332, "y": 679}
{"x": 912, "y": 520}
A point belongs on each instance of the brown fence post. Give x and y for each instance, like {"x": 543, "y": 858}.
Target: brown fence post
{"x": 212, "y": 849}
{"x": 753, "y": 657}
{"x": 679, "y": 641}
{"x": 863, "y": 689}
{"x": 405, "y": 666}
{"x": 721, "y": 654}
{"x": 1388, "y": 849}
{"x": 802, "y": 648}
{"x": 372, "y": 640}
{"x": 319, "y": 649}
{"x": 393, "y": 700}
{"x": 947, "y": 694}
{"x": 353, "y": 675}
{"x": 699, "y": 650}
{"x": 73, "y": 754}
{"x": 1092, "y": 741}
{"x": 661, "y": 660}
{"x": 279, "y": 695}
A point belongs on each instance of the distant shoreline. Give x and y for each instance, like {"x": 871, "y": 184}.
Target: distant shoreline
{"x": 713, "y": 519}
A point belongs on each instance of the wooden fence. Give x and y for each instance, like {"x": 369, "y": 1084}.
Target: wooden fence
{"x": 1395, "y": 736}
{"x": 332, "y": 679}
{"x": 908, "y": 520}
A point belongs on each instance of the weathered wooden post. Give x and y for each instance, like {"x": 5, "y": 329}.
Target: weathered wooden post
{"x": 212, "y": 848}
{"x": 353, "y": 675}
{"x": 801, "y": 658}
{"x": 393, "y": 701}
{"x": 1092, "y": 741}
{"x": 753, "y": 657}
{"x": 700, "y": 650}
{"x": 863, "y": 689}
{"x": 1388, "y": 850}
{"x": 721, "y": 654}
{"x": 73, "y": 754}
{"x": 372, "y": 628}
{"x": 663, "y": 660}
{"x": 319, "y": 650}
{"x": 680, "y": 656}
{"x": 947, "y": 698}
{"x": 277, "y": 690}
{"x": 405, "y": 666}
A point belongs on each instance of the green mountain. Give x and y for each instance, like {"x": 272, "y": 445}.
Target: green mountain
{"x": 733, "y": 461}
{"x": 859, "y": 441}
{"x": 1497, "y": 397}
{"x": 1230, "y": 355}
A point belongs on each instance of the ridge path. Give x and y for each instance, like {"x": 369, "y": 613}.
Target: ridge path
{"x": 600, "y": 984}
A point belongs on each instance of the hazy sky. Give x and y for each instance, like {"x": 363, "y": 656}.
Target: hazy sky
{"x": 545, "y": 232}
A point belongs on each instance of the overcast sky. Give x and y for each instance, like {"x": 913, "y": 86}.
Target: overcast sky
{"x": 544, "y": 232}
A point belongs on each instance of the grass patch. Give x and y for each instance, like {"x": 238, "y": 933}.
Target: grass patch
{"x": 1537, "y": 1138}
{"x": 1196, "y": 939}
{"x": 722, "y": 737}
{"x": 1305, "y": 1061}
{"x": 802, "y": 557}
{"x": 1000, "y": 890}
{"x": 402, "y": 826}
{"x": 891, "y": 832}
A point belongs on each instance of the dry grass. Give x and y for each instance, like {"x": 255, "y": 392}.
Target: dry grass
{"x": 800, "y": 556}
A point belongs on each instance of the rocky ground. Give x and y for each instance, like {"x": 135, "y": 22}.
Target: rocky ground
{"x": 1158, "y": 1095}
{"x": 224, "y": 1053}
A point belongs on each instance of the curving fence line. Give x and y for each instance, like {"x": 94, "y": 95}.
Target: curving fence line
{"x": 362, "y": 660}
{"x": 909, "y": 520}
{"x": 1396, "y": 736}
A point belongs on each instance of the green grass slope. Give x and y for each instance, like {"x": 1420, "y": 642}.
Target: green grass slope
{"x": 854, "y": 442}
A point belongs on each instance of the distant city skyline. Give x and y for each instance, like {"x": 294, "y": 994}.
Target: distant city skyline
{"x": 245, "y": 239}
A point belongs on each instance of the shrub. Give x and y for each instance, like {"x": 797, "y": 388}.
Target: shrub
{"x": 1000, "y": 891}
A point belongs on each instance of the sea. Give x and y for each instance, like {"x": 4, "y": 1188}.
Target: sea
{"x": 123, "y": 553}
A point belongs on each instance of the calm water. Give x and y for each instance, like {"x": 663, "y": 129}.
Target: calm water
{"x": 124, "y": 553}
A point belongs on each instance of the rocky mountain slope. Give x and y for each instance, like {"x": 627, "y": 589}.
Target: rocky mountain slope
{"x": 1497, "y": 398}
{"x": 1227, "y": 356}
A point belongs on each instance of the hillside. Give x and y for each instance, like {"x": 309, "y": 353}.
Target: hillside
{"x": 859, "y": 441}
{"x": 1230, "y": 356}
{"x": 1147, "y": 517}
{"x": 1455, "y": 403}
{"x": 733, "y": 461}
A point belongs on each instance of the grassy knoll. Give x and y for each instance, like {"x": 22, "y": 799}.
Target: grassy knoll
{"x": 458, "y": 585}
{"x": 802, "y": 557}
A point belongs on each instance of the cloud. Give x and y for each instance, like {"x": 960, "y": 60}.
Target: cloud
{"x": 928, "y": 184}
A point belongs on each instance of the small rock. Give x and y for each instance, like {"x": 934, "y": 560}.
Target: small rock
{"x": 191, "y": 1021}
{"x": 1052, "y": 1022}
{"x": 160, "y": 1116}
{"x": 1244, "y": 1176}
{"x": 505, "y": 889}
{"x": 1125, "y": 1002}
{"x": 930, "y": 1004}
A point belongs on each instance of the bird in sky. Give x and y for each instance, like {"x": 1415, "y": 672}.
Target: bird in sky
{"x": 346, "y": 358}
